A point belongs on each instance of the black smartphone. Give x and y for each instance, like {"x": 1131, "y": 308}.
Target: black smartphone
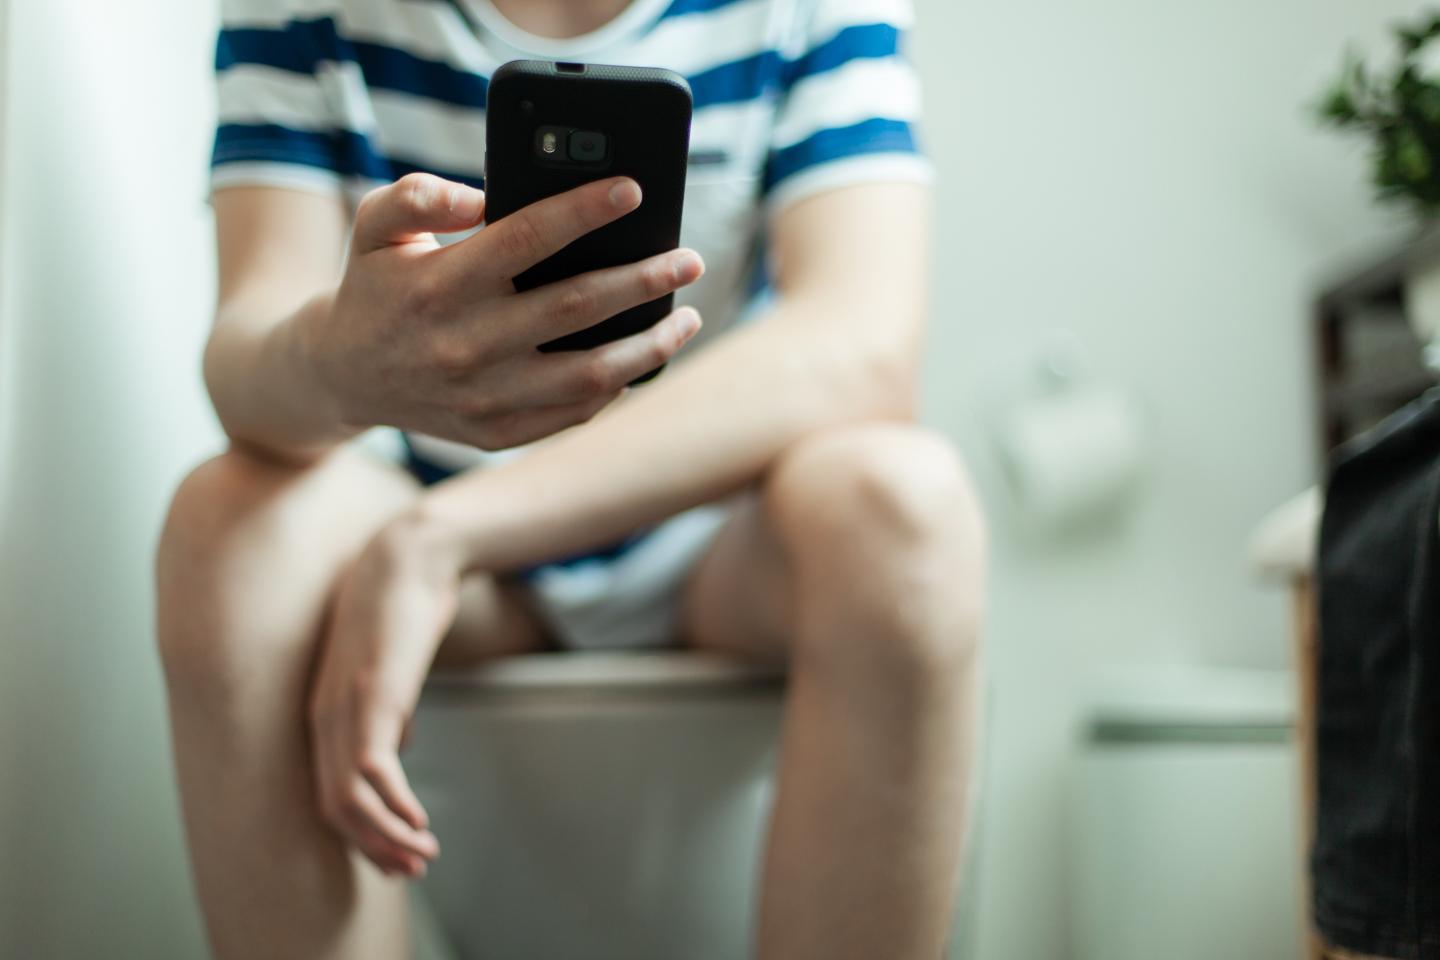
{"x": 550, "y": 127}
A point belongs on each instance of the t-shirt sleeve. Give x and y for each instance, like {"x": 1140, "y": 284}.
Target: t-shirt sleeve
{"x": 850, "y": 102}
{"x": 276, "y": 124}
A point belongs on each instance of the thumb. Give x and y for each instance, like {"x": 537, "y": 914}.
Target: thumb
{"x": 413, "y": 206}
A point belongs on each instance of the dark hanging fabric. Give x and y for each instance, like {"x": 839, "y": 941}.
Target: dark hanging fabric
{"x": 1376, "y": 860}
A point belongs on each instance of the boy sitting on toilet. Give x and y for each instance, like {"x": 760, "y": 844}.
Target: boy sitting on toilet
{"x": 769, "y": 496}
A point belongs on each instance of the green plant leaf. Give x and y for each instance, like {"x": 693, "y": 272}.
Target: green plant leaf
{"x": 1412, "y": 162}
{"x": 1400, "y": 109}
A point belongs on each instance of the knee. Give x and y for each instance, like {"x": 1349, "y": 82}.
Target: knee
{"x": 213, "y": 511}
{"x": 214, "y": 502}
{"x": 871, "y": 493}
{"x": 883, "y": 521}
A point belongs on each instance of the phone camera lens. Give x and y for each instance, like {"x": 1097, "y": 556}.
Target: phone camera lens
{"x": 587, "y": 146}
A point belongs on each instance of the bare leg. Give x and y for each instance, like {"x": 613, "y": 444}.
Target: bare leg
{"x": 246, "y": 565}
{"x": 864, "y": 558}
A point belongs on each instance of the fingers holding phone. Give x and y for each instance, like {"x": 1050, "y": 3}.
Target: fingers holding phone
{"x": 581, "y": 302}
{"x": 437, "y": 339}
{"x": 543, "y": 228}
{"x": 585, "y": 176}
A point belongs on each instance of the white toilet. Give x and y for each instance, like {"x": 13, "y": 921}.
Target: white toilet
{"x": 595, "y": 806}
{"x": 1184, "y": 818}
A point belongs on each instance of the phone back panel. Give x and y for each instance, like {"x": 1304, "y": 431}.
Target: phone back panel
{"x": 645, "y": 113}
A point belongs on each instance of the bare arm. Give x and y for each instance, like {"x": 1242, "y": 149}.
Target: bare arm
{"x": 840, "y": 345}
{"x": 279, "y": 260}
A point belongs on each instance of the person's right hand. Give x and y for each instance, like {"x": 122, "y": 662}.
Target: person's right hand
{"x": 437, "y": 340}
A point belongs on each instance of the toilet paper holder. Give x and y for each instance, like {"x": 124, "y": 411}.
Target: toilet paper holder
{"x": 1070, "y": 446}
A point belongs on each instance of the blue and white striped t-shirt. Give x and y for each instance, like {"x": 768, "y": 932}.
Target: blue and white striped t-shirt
{"x": 792, "y": 97}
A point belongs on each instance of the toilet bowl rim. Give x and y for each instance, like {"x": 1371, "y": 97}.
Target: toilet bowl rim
{"x": 610, "y": 672}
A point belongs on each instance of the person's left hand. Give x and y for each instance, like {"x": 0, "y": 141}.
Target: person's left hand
{"x": 390, "y": 611}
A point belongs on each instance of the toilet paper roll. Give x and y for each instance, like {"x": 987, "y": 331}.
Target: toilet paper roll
{"x": 1072, "y": 455}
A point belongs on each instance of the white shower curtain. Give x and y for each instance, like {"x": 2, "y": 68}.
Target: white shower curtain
{"x": 105, "y": 290}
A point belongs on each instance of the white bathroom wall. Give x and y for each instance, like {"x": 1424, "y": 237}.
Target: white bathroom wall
{"x": 105, "y": 289}
{"x": 9, "y": 741}
{"x": 1144, "y": 175}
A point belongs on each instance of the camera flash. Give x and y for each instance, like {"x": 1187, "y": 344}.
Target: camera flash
{"x": 547, "y": 143}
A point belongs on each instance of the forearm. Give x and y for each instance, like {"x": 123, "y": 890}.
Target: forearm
{"x": 264, "y": 390}
{"x": 703, "y": 430}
